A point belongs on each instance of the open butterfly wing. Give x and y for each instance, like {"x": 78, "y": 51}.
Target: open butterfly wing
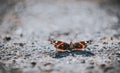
{"x": 79, "y": 45}
{"x": 61, "y": 46}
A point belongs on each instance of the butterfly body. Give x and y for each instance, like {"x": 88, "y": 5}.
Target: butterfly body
{"x": 65, "y": 47}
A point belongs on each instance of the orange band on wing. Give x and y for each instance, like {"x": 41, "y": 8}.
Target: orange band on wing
{"x": 59, "y": 49}
{"x": 60, "y": 44}
{"x": 83, "y": 46}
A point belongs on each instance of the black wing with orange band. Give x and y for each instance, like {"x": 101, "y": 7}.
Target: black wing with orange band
{"x": 61, "y": 46}
{"x": 79, "y": 45}
{"x": 65, "y": 47}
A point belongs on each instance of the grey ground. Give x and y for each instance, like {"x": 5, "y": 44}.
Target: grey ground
{"x": 26, "y": 26}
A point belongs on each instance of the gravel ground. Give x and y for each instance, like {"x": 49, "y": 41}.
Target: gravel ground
{"x": 27, "y": 26}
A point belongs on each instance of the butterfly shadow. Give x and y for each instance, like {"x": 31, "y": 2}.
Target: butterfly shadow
{"x": 73, "y": 53}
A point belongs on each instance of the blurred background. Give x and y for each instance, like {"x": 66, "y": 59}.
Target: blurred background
{"x": 15, "y": 13}
{"x": 27, "y": 25}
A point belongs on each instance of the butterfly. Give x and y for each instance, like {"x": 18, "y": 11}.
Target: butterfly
{"x": 68, "y": 47}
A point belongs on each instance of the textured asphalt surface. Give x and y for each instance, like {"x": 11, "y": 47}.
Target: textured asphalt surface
{"x": 27, "y": 26}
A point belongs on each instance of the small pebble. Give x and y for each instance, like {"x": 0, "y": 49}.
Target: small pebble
{"x": 105, "y": 47}
{"x": 96, "y": 45}
{"x": 105, "y": 42}
{"x": 118, "y": 61}
{"x": 33, "y": 63}
{"x": 48, "y": 64}
{"x": 108, "y": 68}
{"x": 14, "y": 61}
{"x": 21, "y": 44}
{"x": 15, "y": 70}
{"x": 7, "y": 38}
{"x": 66, "y": 33}
{"x": 119, "y": 43}
{"x": 118, "y": 54}
{"x": 103, "y": 38}
{"x": 27, "y": 55}
{"x": 110, "y": 57}
{"x": 111, "y": 38}
{"x": 33, "y": 43}
{"x": 21, "y": 35}
{"x": 82, "y": 61}
{"x": 91, "y": 62}
{"x": 90, "y": 67}
{"x": 102, "y": 66}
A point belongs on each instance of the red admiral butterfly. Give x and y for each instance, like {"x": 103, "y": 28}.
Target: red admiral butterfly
{"x": 65, "y": 47}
